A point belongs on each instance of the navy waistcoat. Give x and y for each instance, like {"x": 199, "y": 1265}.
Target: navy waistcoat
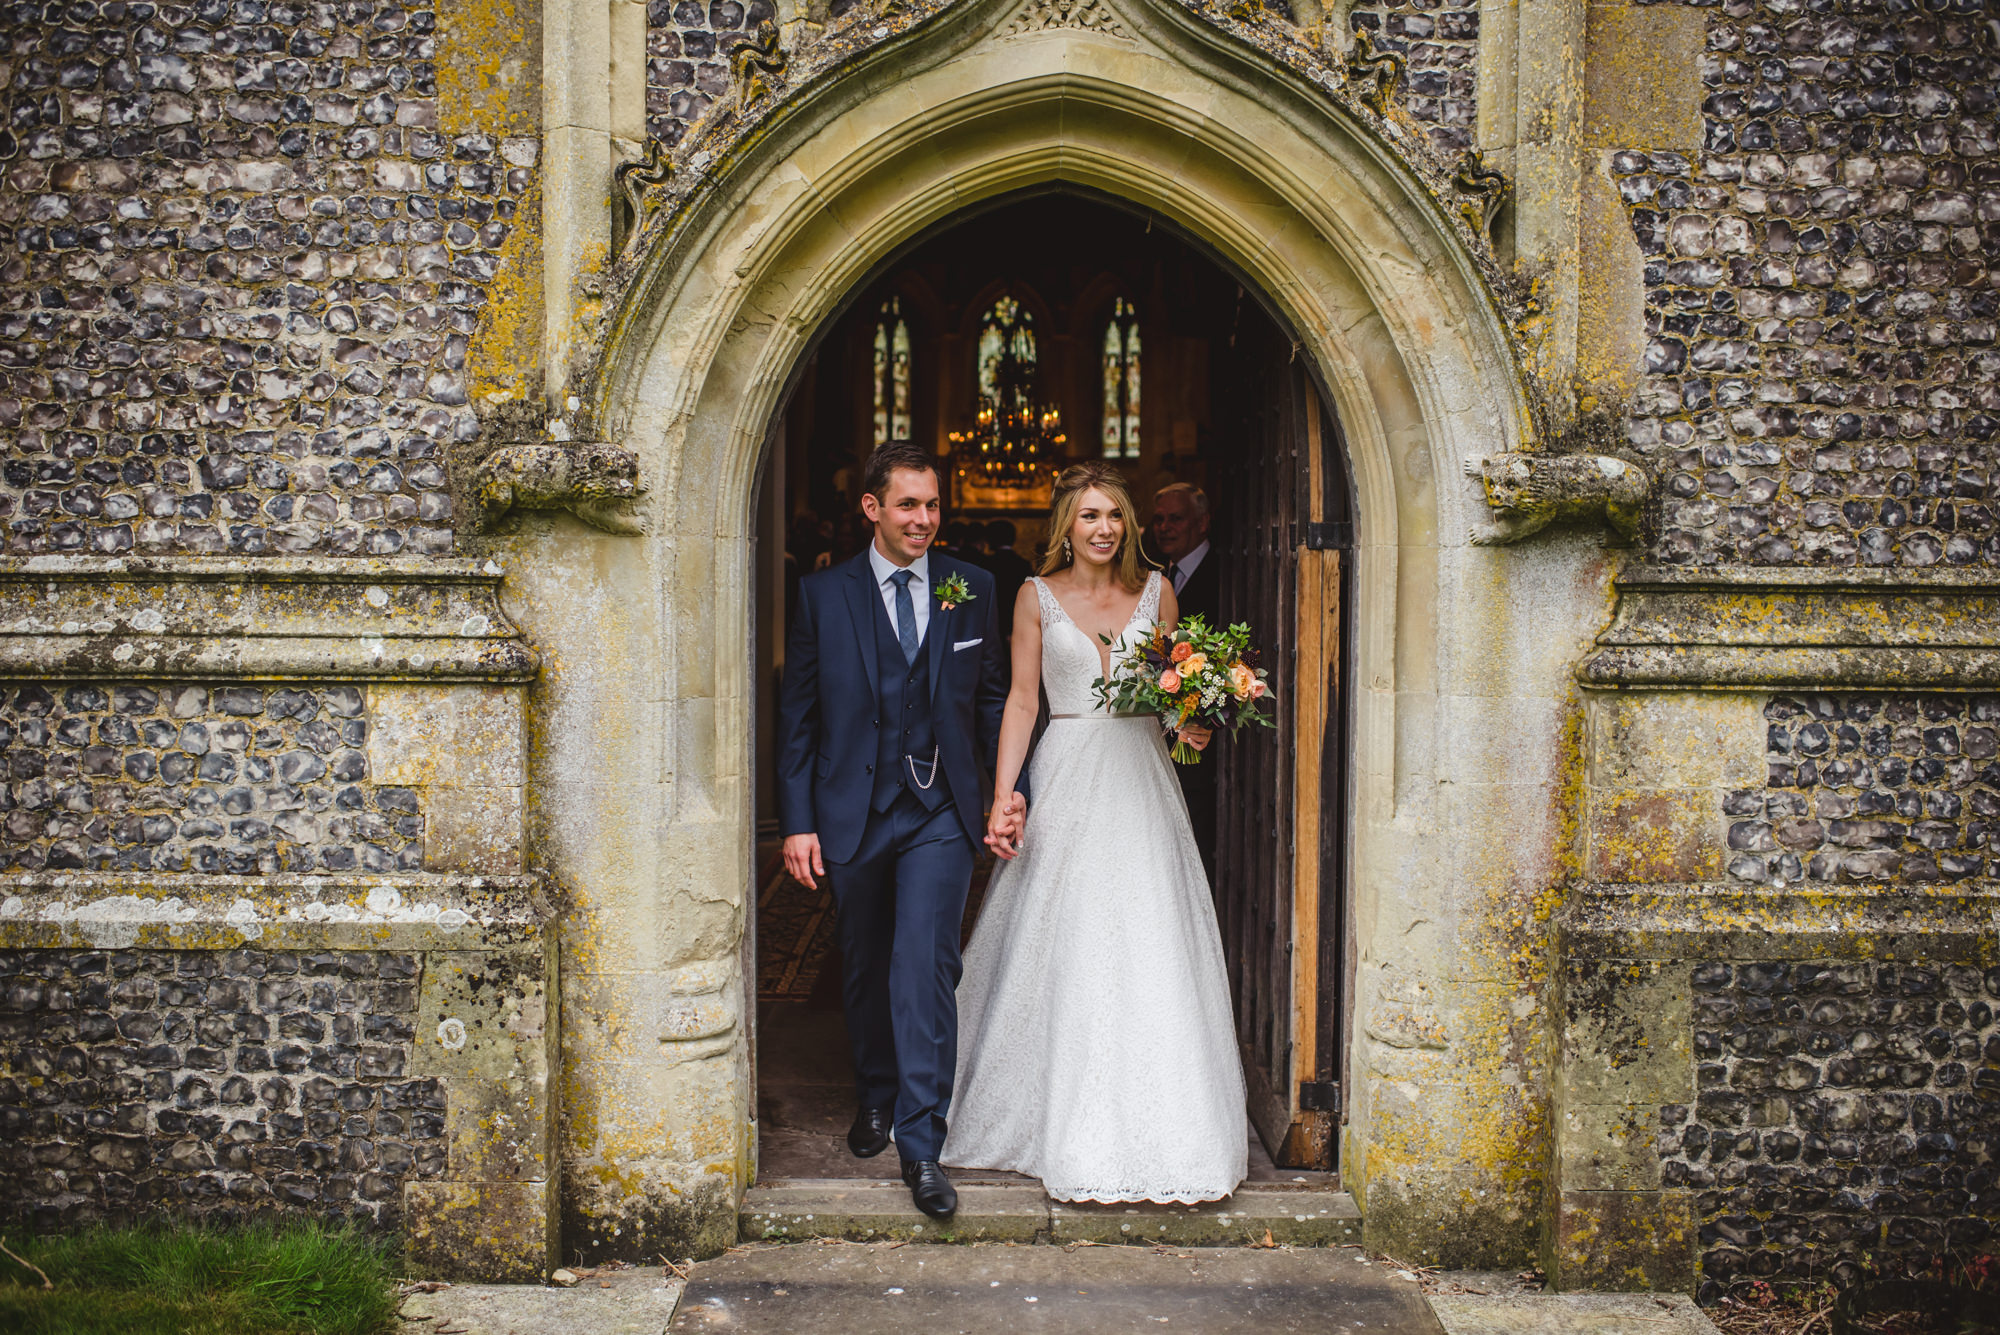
{"x": 906, "y": 729}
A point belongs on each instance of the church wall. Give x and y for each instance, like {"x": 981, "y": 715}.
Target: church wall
{"x": 258, "y": 255}
{"x": 269, "y": 944}
{"x": 1701, "y": 987}
{"x": 1775, "y": 982}
{"x": 1820, "y": 384}
{"x": 263, "y": 911}
{"x": 1771, "y": 1012}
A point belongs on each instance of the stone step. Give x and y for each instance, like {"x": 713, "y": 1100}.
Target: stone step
{"x": 1023, "y": 1290}
{"x": 800, "y": 1209}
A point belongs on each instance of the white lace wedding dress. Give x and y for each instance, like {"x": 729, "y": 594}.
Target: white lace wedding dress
{"x": 1096, "y": 1047}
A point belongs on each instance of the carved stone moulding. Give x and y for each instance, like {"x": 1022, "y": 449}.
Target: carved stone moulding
{"x": 1704, "y": 921}
{"x": 1751, "y": 628}
{"x": 263, "y": 619}
{"x": 173, "y": 911}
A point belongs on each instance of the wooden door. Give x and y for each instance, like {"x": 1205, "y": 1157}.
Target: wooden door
{"x": 1280, "y": 511}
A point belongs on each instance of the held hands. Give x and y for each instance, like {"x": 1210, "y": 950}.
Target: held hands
{"x": 802, "y": 859}
{"x": 1005, "y": 824}
{"x": 1195, "y": 735}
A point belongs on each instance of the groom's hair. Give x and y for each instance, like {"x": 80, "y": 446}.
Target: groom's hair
{"x": 888, "y": 458}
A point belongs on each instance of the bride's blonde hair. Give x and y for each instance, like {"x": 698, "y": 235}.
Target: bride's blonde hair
{"x": 1071, "y": 483}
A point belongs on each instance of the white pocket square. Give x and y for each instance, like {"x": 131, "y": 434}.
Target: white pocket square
{"x": 967, "y": 644}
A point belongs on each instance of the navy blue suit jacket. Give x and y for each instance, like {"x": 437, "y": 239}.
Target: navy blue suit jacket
{"x": 828, "y": 713}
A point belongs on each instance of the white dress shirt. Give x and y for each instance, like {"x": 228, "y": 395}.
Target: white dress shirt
{"x": 920, "y": 586}
{"x": 1183, "y": 568}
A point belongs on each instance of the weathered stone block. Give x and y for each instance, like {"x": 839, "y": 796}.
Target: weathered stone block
{"x": 498, "y": 1131}
{"x": 1655, "y": 835}
{"x": 473, "y": 830}
{"x": 1674, "y": 739}
{"x": 484, "y": 1015}
{"x": 464, "y": 736}
{"x": 1625, "y": 1034}
{"x": 501, "y": 1232}
{"x": 1608, "y": 1146}
{"x": 1642, "y": 77}
{"x": 1624, "y": 1240}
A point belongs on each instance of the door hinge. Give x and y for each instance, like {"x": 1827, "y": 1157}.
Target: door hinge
{"x": 1319, "y": 1096}
{"x": 1327, "y": 537}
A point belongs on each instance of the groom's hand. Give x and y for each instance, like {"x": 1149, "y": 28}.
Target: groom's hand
{"x": 1004, "y": 828}
{"x": 802, "y": 859}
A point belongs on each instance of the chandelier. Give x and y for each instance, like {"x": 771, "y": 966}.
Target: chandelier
{"x": 1012, "y": 441}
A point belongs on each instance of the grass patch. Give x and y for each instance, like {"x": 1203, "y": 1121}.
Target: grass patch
{"x": 259, "y": 1279}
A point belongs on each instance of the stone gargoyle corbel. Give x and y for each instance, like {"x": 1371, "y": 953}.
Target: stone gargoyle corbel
{"x": 595, "y": 482}
{"x": 1528, "y": 492}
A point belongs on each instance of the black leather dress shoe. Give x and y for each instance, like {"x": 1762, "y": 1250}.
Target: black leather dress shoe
{"x": 869, "y": 1135}
{"x": 930, "y": 1188}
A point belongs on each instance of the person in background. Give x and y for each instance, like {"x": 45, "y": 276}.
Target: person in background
{"x": 847, "y": 539}
{"x": 1180, "y": 542}
{"x": 1010, "y": 569}
{"x": 959, "y": 541}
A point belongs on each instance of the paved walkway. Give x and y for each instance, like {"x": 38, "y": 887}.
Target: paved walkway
{"x": 844, "y": 1288}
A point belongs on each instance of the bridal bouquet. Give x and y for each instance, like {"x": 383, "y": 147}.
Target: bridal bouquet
{"x": 1192, "y": 674}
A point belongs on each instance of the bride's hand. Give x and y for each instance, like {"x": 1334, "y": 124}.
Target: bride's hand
{"x": 1004, "y": 825}
{"x": 1195, "y": 735}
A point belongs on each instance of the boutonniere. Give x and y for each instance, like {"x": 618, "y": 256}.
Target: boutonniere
{"x": 951, "y": 591}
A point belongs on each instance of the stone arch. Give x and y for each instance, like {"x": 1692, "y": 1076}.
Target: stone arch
{"x": 643, "y": 745}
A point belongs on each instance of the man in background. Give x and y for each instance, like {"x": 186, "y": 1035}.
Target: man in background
{"x": 1180, "y": 537}
{"x": 1180, "y": 541}
{"x": 1010, "y": 568}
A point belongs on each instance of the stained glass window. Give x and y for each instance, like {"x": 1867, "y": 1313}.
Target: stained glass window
{"x": 1006, "y": 326}
{"x": 892, "y": 374}
{"x": 1121, "y": 382}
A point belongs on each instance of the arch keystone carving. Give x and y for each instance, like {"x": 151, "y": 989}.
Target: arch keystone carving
{"x": 1042, "y": 15}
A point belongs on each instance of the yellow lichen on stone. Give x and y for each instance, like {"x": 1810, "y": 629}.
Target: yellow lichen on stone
{"x": 504, "y": 361}
{"x": 489, "y": 66}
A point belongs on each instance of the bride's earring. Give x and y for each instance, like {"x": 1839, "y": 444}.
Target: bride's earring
{"x": 1067, "y": 554}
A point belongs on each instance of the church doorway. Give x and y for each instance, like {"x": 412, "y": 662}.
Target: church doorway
{"x": 1113, "y": 336}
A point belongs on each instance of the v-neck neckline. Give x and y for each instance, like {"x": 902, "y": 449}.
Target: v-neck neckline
{"x": 1103, "y": 648}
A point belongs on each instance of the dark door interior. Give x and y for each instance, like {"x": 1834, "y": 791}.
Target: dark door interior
{"x": 1282, "y": 507}
{"x": 1229, "y": 405}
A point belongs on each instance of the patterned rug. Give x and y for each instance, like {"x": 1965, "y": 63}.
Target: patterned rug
{"x": 796, "y": 949}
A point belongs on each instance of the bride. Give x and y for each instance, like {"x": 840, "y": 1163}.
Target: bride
{"x": 1097, "y": 1047}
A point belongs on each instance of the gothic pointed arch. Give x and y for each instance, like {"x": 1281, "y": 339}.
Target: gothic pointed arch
{"x": 1290, "y": 184}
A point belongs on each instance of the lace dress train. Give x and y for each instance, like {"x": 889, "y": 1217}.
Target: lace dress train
{"x": 1097, "y": 1050}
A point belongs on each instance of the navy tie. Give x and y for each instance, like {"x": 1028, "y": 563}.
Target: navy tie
{"x": 906, "y": 614}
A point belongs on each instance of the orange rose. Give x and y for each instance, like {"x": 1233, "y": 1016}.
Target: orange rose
{"x": 1182, "y": 651}
{"x": 1170, "y": 681}
{"x": 1241, "y": 679}
{"x": 1194, "y": 664}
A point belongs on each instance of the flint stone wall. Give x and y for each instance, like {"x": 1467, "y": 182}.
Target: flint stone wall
{"x": 1440, "y": 41}
{"x": 172, "y": 777}
{"x": 1872, "y": 788}
{"x": 1821, "y": 384}
{"x": 242, "y": 269}
{"x": 1779, "y": 1060}
{"x": 348, "y": 1047}
{"x": 211, "y": 1083}
{"x": 688, "y": 45}
{"x": 1846, "y": 1115}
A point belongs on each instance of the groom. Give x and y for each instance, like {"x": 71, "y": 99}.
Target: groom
{"x": 895, "y": 678}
